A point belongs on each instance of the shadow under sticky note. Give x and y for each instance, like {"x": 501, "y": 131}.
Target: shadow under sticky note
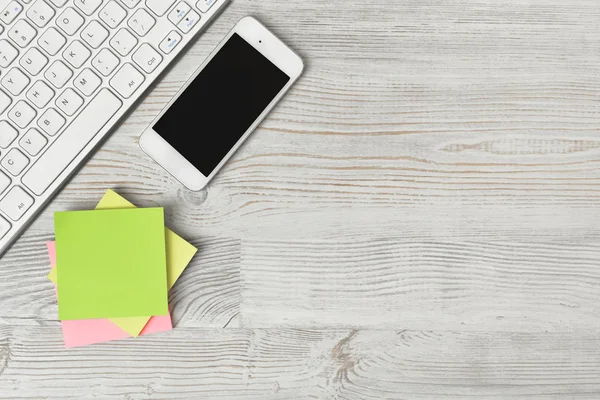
{"x": 178, "y": 251}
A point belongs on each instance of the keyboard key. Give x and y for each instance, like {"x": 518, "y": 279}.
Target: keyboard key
{"x": 58, "y": 74}
{"x": 16, "y": 203}
{"x": 113, "y": 14}
{"x": 87, "y": 82}
{"x": 180, "y": 11}
{"x": 123, "y": 42}
{"x": 59, "y": 3}
{"x": 51, "y": 122}
{"x": 147, "y": 58}
{"x": 105, "y": 62}
{"x": 94, "y": 34}
{"x": 40, "y": 94}
{"x": 8, "y": 53}
{"x": 159, "y": 7}
{"x": 72, "y": 141}
{"x": 69, "y": 102}
{"x": 205, "y": 5}
{"x": 22, "y": 33}
{"x": 15, "y": 81}
{"x": 40, "y": 13}
{"x": 33, "y": 142}
{"x": 8, "y": 134}
{"x": 52, "y": 41}
{"x": 70, "y": 21}
{"x": 141, "y": 22}
{"x": 170, "y": 42}
{"x": 189, "y": 22}
{"x": 10, "y": 12}
{"x": 127, "y": 80}
{"x": 130, "y": 3}
{"x": 22, "y": 114}
{"x": 15, "y": 162}
{"x": 76, "y": 54}
{"x": 33, "y": 61}
{"x": 5, "y": 101}
{"x": 88, "y": 7}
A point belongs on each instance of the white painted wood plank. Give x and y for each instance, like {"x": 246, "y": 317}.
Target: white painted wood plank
{"x": 394, "y": 282}
{"x": 206, "y": 294}
{"x": 302, "y": 364}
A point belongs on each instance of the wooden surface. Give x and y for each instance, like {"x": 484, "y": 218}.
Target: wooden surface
{"x": 419, "y": 218}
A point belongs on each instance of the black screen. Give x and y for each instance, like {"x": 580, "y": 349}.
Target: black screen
{"x": 221, "y": 103}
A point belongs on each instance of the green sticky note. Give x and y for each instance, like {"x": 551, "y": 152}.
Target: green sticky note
{"x": 111, "y": 263}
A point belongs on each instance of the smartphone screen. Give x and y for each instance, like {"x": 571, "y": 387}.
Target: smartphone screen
{"x": 221, "y": 104}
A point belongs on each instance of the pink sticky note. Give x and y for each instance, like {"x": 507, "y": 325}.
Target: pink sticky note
{"x": 52, "y": 253}
{"x": 89, "y": 331}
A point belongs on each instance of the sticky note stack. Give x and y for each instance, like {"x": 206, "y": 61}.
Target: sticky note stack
{"x": 113, "y": 267}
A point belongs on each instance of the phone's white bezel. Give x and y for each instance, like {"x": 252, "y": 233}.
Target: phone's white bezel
{"x": 169, "y": 158}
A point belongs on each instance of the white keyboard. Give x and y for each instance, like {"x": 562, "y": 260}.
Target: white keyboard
{"x": 70, "y": 70}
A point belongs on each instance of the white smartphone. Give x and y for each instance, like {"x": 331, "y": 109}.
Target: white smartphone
{"x": 221, "y": 104}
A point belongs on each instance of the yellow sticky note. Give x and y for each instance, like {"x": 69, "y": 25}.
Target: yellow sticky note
{"x": 52, "y": 275}
{"x": 178, "y": 251}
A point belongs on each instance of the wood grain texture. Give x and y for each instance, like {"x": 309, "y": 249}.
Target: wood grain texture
{"x": 417, "y": 219}
{"x": 302, "y": 364}
{"x": 392, "y": 282}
